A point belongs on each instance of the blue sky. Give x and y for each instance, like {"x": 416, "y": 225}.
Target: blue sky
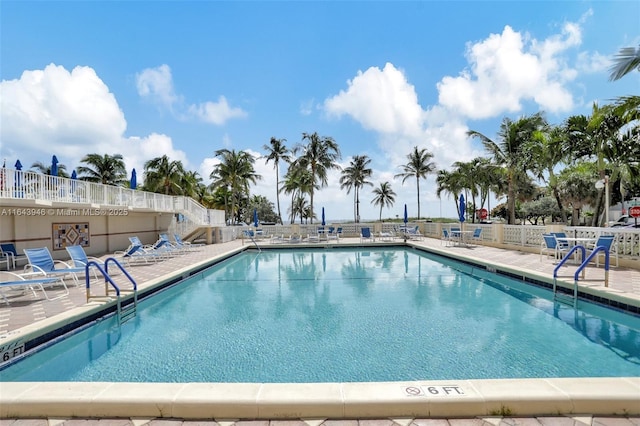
{"x": 146, "y": 78}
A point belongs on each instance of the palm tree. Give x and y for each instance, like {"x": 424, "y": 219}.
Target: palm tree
{"x": 384, "y": 197}
{"x": 627, "y": 60}
{"x": 163, "y": 175}
{"x": 508, "y": 152}
{"x": 319, "y": 156}
{"x": 191, "y": 184}
{"x": 105, "y": 169}
{"x": 45, "y": 169}
{"x": 419, "y": 166}
{"x": 355, "y": 176}
{"x": 545, "y": 153}
{"x": 449, "y": 182}
{"x": 235, "y": 171}
{"x": 277, "y": 151}
{"x": 297, "y": 182}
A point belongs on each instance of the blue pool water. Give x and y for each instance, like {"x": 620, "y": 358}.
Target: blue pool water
{"x": 341, "y": 315}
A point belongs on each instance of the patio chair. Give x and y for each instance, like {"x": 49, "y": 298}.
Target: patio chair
{"x": 165, "y": 242}
{"x": 385, "y": 236}
{"x": 12, "y": 280}
{"x": 40, "y": 262}
{"x": 136, "y": 253}
{"x": 181, "y": 242}
{"x": 550, "y": 246}
{"x": 476, "y": 236}
{"x": 79, "y": 258}
{"x": 158, "y": 248}
{"x": 559, "y": 238}
{"x": 10, "y": 255}
{"x": 332, "y": 234}
{"x": 608, "y": 242}
{"x": 414, "y": 233}
{"x": 446, "y": 237}
{"x": 365, "y": 234}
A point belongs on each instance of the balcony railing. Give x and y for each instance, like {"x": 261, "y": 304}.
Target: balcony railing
{"x": 21, "y": 185}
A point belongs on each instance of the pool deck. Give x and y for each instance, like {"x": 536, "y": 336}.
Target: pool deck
{"x": 592, "y": 401}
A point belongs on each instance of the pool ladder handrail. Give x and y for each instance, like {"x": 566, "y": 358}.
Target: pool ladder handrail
{"x": 250, "y": 235}
{"x": 124, "y": 313}
{"x": 580, "y": 269}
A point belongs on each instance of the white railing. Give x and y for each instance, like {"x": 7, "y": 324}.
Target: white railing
{"x": 25, "y": 185}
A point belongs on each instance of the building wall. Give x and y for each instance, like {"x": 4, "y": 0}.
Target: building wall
{"x": 108, "y": 230}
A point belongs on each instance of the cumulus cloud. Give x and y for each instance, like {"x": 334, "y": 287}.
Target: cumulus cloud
{"x": 156, "y": 84}
{"x": 216, "y": 112}
{"x": 381, "y": 100}
{"x": 508, "y": 68}
{"x": 69, "y": 114}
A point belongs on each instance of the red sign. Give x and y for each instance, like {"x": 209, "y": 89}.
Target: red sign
{"x": 634, "y": 211}
{"x": 483, "y": 213}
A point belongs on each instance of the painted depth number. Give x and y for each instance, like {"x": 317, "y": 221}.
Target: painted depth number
{"x": 10, "y": 351}
{"x": 443, "y": 390}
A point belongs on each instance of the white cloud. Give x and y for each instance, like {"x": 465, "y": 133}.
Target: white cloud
{"x": 508, "y": 68}
{"x": 380, "y": 100}
{"x": 69, "y": 114}
{"x": 593, "y": 62}
{"x": 216, "y": 112}
{"x": 156, "y": 84}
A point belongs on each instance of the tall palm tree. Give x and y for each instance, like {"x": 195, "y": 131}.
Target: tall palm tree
{"x": 319, "y": 155}
{"x": 297, "y": 182}
{"x": 356, "y": 176}
{"x": 449, "y": 182}
{"x": 384, "y": 196}
{"x": 277, "y": 152}
{"x": 418, "y": 166}
{"x": 163, "y": 175}
{"x": 191, "y": 184}
{"x": 106, "y": 169}
{"x": 235, "y": 172}
{"x": 507, "y": 151}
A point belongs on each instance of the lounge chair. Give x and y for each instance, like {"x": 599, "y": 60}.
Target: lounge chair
{"x": 414, "y": 233}
{"x": 136, "y": 253}
{"x": 385, "y": 236}
{"x": 550, "y": 246}
{"x": 293, "y": 238}
{"x": 158, "y": 248}
{"x": 41, "y": 263}
{"x": 11, "y": 280}
{"x": 10, "y": 254}
{"x": 165, "y": 242}
{"x": 608, "y": 243}
{"x": 332, "y": 234}
{"x": 365, "y": 234}
{"x": 189, "y": 244}
{"x": 79, "y": 258}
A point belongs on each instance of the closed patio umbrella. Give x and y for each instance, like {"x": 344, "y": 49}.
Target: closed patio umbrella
{"x": 462, "y": 208}
{"x": 54, "y": 166}
{"x": 323, "y": 217}
{"x": 18, "y": 172}
{"x": 134, "y": 180}
{"x": 406, "y": 217}
{"x": 255, "y": 217}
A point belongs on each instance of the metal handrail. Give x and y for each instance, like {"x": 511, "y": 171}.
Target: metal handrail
{"x": 109, "y": 280}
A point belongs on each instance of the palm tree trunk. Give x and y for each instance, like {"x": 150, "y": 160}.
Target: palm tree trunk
{"x": 278, "y": 192}
{"x": 418, "y": 187}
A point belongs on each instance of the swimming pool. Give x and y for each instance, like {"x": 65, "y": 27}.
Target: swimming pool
{"x": 344, "y": 315}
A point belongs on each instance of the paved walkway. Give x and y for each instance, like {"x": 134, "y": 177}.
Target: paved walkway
{"x": 26, "y": 310}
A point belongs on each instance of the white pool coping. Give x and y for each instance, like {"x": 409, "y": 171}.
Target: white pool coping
{"x": 421, "y": 399}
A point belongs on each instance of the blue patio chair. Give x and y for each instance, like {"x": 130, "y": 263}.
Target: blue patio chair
{"x": 136, "y": 253}
{"x": 365, "y": 234}
{"x": 446, "y": 237}
{"x": 11, "y": 280}
{"x": 477, "y": 233}
{"x": 10, "y": 255}
{"x": 41, "y": 263}
{"x": 550, "y": 246}
{"x": 608, "y": 242}
{"x": 559, "y": 238}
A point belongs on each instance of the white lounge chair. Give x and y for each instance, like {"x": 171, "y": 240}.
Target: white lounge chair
{"x": 11, "y": 280}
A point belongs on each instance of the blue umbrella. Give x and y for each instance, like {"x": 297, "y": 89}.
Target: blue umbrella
{"x": 323, "y": 217}
{"x": 255, "y": 217}
{"x": 74, "y": 175}
{"x": 18, "y": 167}
{"x": 54, "y": 166}
{"x": 462, "y": 208}
{"x": 406, "y": 216}
{"x": 133, "y": 184}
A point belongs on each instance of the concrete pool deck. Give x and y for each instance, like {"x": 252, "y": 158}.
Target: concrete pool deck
{"x": 530, "y": 401}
